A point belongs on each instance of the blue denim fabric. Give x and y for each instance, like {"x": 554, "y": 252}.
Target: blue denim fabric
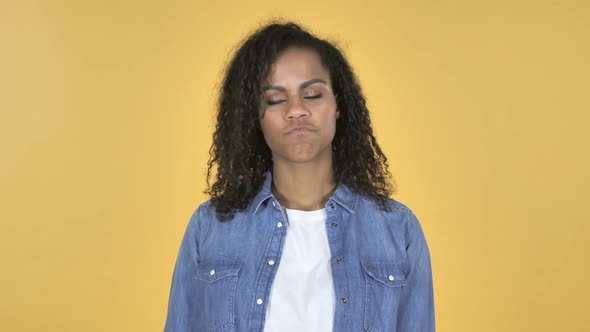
{"x": 380, "y": 266}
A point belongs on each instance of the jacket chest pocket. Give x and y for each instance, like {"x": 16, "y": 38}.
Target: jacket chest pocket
{"x": 215, "y": 291}
{"x": 384, "y": 283}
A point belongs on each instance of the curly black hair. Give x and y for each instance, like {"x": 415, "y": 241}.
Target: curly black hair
{"x": 239, "y": 149}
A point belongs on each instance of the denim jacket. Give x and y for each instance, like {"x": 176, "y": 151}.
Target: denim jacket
{"x": 380, "y": 266}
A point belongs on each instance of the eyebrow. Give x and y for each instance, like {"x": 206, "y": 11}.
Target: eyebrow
{"x": 302, "y": 86}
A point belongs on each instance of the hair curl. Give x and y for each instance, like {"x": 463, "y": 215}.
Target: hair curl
{"x": 239, "y": 149}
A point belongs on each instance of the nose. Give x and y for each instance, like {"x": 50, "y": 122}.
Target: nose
{"x": 297, "y": 109}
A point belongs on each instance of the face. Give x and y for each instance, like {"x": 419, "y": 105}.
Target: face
{"x": 298, "y": 108}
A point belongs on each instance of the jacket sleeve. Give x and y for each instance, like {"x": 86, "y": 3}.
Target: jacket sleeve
{"x": 180, "y": 301}
{"x": 416, "y": 309}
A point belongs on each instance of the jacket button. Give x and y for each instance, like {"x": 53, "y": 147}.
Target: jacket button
{"x": 391, "y": 278}
{"x": 259, "y": 301}
{"x": 344, "y": 300}
{"x": 212, "y": 272}
{"x": 339, "y": 260}
{"x": 334, "y": 225}
{"x": 271, "y": 262}
{"x": 332, "y": 205}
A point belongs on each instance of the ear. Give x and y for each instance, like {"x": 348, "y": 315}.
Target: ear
{"x": 337, "y": 111}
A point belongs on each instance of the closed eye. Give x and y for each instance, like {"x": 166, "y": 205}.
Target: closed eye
{"x": 274, "y": 102}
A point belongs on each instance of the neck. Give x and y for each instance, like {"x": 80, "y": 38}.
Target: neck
{"x": 304, "y": 187}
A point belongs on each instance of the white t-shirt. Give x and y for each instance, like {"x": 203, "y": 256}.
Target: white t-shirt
{"x": 302, "y": 294}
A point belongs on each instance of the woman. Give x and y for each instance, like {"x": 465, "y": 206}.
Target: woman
{"x": 299, "y": 233}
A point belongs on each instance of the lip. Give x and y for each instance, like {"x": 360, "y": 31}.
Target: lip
{"x": 299, "y": 130}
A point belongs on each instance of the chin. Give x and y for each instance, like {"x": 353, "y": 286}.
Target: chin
{"x": 298, "y": 158}
{"x": 302, "y": 155}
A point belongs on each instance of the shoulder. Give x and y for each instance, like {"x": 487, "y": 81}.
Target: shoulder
{"x": 203, "y": 208}
{"x": 205, "y": 216}
{"x": 392, "y": 206}
{"x": 201, "y": 215}
{"x": 394, "y": 212}
{"x": 397, "y": 206}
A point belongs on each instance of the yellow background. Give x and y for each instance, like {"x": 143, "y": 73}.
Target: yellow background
{"x": 106, "y": 114}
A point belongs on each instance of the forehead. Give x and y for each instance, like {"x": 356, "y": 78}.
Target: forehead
{"x": 295, "y": 65}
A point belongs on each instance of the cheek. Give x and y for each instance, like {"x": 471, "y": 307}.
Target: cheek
{"x": 331, "y": 120}
{"x": 269, "y": 129}
{"x": 264, "y": 124}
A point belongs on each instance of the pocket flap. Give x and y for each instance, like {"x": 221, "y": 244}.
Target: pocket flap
{"x": 387, "y": 273}
{"x": 214, "y": 270}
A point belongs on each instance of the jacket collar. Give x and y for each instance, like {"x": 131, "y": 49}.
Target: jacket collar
{"x": 342, "y": 195}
